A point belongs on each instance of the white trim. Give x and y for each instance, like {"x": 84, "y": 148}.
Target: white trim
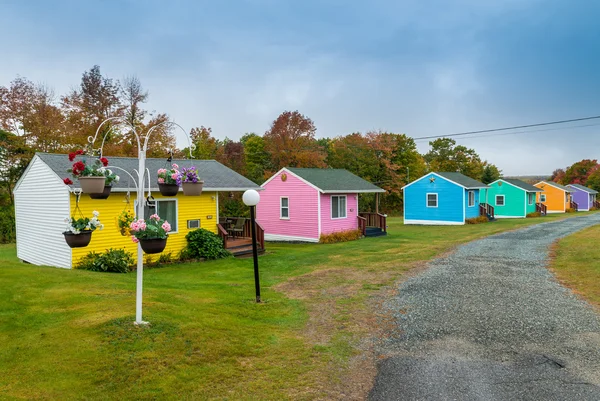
{"x": 353, "y": 191}
{"x": 469, "y": 193}
{"x": 444, "y": 178}
{"x": 583, "y": 190}
{"x": 437, "y": 202}
{"x": 281, "y": 198}
{"x": 583, "y": 210}
{"x": 218, "y": 217}
{"x": 277, "y": 237}
{"x": 555, "y": 211}
{"x": 173, "y": 199}
{"x": 340, "y": 191}
{"x": 319, "y": 212}
{"x": 516, "y": 186}
{"x": 204, "y": 189}
{"x": 295, "y": 175}
{"x": 434, "y": 222}
{"x": 544, "y": 195}
{"x": 464, "y": 207}
{"x": 527, "y": 196}
{"x": 508, "y": 217}
{"x": 345, "y": 207}
{"x": 552, "y": 185}
{"x": 503, "y": 200}
{"x": 58, "y": 178}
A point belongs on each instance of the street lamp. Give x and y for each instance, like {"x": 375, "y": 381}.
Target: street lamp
{"x": 251, "y": 198}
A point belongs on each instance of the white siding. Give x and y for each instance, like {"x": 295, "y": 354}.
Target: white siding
{"x": 41, "y": 206}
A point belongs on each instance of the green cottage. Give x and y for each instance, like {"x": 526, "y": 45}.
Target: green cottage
{"x": 511, "y": 198}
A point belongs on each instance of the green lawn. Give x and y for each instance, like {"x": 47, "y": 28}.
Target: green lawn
{"x": 68, "y": 334}
{"x": 576, "y": 263}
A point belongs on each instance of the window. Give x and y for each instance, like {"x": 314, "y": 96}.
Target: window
{"x": 338, "y": 207}
{"x": 471, "y": 198}
{"x": 543, "y": 198}
{"x": 284, "y": 208}
{"x": 166, "y": 209}
{"x": 530, "y": 198}
{"x": 432, "y": 200}
{"x": 499, "y": 200}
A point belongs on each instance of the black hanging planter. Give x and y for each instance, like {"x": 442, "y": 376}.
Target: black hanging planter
{"x": 104, "y": 194}
{"x": 78, "y": 240}
{"x": 168, "y": 189}
{"x": 153, "y": 245}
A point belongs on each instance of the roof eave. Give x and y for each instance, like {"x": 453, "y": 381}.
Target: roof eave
{"x": 353, "y": 191}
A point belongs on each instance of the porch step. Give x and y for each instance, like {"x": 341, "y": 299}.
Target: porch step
{"x": 374, "y": 232}
{"x": 244, "y": 251}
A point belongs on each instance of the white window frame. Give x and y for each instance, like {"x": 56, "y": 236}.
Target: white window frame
{"x": 436, "y": 200}
{"x": 345, "y": 207}
{"x": 176, "y": 211}
{"x": 530, "y": 198}
{"x": 503, "y": 200}
{"x": 542, "y": 197}
{"x": 281, "y": 207}
{"x": 471, "y": 193}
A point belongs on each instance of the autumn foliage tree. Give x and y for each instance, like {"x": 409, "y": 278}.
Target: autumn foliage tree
{"x": 291, "y": 142}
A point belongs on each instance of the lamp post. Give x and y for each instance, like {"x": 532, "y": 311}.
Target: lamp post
{"x": 251, "y": 198}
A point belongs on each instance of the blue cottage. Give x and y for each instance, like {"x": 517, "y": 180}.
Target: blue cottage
{"x": 442, "y": 199}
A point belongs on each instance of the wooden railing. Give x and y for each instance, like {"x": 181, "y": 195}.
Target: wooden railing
{"x": 362, "y": 225}
{"x": 246, "y": 233}
{"x": 375, "y": 220}
{"x": 596, "y": 204}
{"x": 574, "y": 205}
{"x": 485, "y": 209}
{"x": 541, "y": 208}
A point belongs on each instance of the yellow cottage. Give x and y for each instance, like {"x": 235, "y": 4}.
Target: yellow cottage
{"x": 43, "y": 201}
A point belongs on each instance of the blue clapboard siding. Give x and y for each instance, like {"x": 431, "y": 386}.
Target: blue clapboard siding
{"x": 472, "y": 211}
{"x": 450, "y": 200}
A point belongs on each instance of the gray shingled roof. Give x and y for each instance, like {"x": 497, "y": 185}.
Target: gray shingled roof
{"x": 522, "y": 184}
{"x": 335, "y": 180}
{"x": 584, "y": 189}
{"x": 462, "y": 179}
{"x": 216, "y": 176}
{"x": 554, "y": 184}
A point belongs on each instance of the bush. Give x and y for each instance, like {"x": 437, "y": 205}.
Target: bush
{"x": 570, "y": 210}
{"x": 341, "y": 236}
{"x": 204, "y": 244}
{"x": 593, "y": 208}
{"x": 165, "y": 258}
{"x": 7, "y": 225}
{"x": 113, "y": 261}
{"x": 477, "y": 220}
{"x": 534, "y": 214}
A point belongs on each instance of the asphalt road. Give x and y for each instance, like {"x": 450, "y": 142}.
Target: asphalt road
{"x": 489, "y": 322}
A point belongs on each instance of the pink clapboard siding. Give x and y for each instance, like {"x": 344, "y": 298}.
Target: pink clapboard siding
{"x": 303, "y": 222}
{"x": 329, "y": 225}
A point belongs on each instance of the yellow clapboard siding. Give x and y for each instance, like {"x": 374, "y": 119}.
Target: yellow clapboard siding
{"x": 189, "y": 208}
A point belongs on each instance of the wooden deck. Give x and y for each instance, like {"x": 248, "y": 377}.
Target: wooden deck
{"x": 241, "y": 246}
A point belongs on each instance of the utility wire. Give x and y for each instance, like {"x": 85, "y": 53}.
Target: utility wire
{"x": 507, "y": 128}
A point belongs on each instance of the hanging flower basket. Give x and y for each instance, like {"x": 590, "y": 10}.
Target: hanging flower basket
{"x": 192, "y": 188}
{"x": 92, "y": 185}
{"x": 104, "y": 195}
{"x": 78, "y": 240}
{"x": 153, "y": 245}
{"x": 168, "y": 189}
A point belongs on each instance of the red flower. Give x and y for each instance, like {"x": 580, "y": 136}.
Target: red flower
{"x": 79, "y": 152}
{"x": 78, "y": 167}
{"x": 67, "y": 181}
{"x": 72, "y": 156}
{"x": 104, "y": 161}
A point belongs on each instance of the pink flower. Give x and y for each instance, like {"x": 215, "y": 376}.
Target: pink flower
{"x": 154, "y": 217}
{"x": 174, "y": 176}
{"x": 161, "y": 180}
{"x": 134, "y": 239}
{"x": 175, "y": 166}
{"x": 134, "y": 226}
{"x": 142, "y": 225}
{"x": 166, "y": 226}
{"x": 162, "y": 171}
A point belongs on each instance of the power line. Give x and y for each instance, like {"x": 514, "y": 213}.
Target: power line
{"x": 507, "y": 128}
{"x": 528, "y": 131}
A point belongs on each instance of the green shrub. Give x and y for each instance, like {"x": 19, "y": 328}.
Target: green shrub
{"x": 341, "y": 236}
{"x": 593, "y": 208}
{"x": 7, "y": 225}
{"x": 534, "y": 214}
{"x": 202, "y": 243}
{"x": 113, "y": 260}
{"x": 165, "y": 258}
{"x": 477, "y": 220}
{"x": 570, "y": 210}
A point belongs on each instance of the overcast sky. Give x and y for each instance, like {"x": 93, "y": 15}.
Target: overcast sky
{"x": 416, "y": 67}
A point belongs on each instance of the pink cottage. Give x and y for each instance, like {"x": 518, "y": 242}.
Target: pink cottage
{"x": 300, "y": 204}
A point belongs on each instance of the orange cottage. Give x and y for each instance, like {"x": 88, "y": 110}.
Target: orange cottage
{"x": 556, "y": 197}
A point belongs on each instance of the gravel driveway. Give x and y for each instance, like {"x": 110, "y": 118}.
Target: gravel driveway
{"x": 490, "y": 322}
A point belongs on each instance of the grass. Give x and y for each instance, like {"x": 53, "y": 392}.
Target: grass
{"x": 576, "y": 263}
{"x": 68, "y": 334}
